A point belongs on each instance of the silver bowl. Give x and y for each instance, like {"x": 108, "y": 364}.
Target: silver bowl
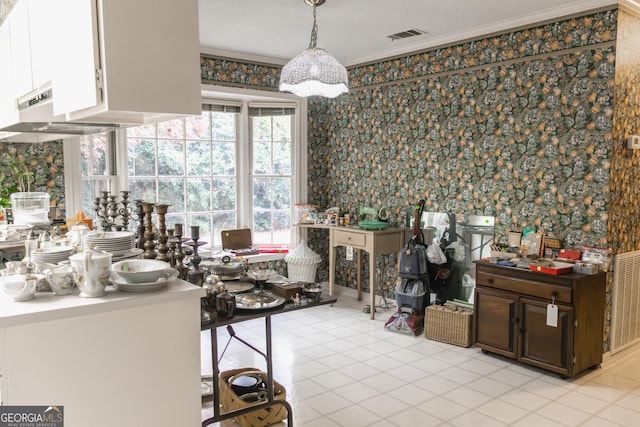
{"x": 313, "y": 291}
{"x": 261, "y": 275}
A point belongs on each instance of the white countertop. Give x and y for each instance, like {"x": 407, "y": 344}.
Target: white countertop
{"x": 46, "y": 306}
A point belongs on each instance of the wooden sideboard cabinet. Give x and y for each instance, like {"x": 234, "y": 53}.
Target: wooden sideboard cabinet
{"x": 510, "y": 317}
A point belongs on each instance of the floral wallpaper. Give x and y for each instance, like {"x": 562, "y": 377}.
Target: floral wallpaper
{"x": 232, "y": 72}
{"x": 526, "y": 138}
{"x": 524, "y": 142}
{"x": 624, "y": 208}
{"x": 46, "y": 163}
{"x": 544, "y": 40}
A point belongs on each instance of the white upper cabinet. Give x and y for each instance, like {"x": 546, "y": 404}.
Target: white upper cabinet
{"x": 142, "y": 56}
{"x": 18, "y": 23}
{"x": 42, "y": 34}
{"x": 105, "y": 61}
{"x": 76, "y": 87}
{"x": 8, "y": 107}
{"x": 30, "y": 36}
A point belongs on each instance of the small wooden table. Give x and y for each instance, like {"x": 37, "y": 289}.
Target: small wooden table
{"x": 375, "y": 242}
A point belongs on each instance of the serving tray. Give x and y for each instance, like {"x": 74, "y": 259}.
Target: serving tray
{"x": 256, "y": 301}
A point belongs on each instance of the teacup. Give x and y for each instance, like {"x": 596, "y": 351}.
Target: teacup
{"x": 60, "y": 279}
{"x": 91, "y": 271}
{"x": 20, "y": 287}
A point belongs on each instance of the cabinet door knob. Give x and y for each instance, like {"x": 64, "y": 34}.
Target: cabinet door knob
{"x": 514, "y": 320}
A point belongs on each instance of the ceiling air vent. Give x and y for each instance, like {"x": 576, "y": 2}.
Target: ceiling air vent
{"x": 406, "y": 34}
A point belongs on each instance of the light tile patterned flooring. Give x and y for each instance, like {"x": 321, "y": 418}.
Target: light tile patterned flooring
{"x": 341, "y": 369}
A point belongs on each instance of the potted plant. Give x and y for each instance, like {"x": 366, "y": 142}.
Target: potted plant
{"x": 21, "y": 177}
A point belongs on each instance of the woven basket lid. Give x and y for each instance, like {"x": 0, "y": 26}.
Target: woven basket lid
{"x": 302, "y": 255}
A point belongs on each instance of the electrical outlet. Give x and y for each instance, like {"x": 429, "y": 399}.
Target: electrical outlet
{"x": 633, "y": 142}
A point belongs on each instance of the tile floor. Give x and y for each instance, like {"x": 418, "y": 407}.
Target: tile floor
{"x": 341, "y": 369}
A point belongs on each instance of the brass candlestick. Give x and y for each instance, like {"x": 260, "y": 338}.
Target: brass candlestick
{"x": 140, "y": 219}
{"x": 179, "y": 253}
{"x": 195, "y": 275}
{"x": 171, "y": 243}
{"x": 161, "y": 210}
{"x": 149, "y": 242}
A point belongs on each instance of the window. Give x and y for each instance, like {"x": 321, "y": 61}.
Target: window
{"x": 189, "y": 164}
{"x": 272, "y": 141}
{"x": 235, "y": 166}
{"x": 96, "y": 160}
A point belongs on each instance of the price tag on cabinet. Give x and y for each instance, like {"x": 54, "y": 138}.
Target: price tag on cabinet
{"x": 552, "y": 315}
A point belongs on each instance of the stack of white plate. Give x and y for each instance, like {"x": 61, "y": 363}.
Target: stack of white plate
{"x": 52, "y": 255}
{"x": 117, "y": 243}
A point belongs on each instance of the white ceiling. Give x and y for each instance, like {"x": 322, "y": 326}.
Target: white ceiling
{"x": 355, "y": 31}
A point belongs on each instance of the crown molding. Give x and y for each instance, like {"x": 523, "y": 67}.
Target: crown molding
{"x": 578, "y": 8}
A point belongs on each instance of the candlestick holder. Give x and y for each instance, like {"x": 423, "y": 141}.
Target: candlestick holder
{"x": 149, "y": 234}
{"x": 195, "y": 275}
{"x": 113, "y": 215}
{"x": 179, "y": 253}
{"x": 140, "y": 219}
{"x": 171, "y": 244}
{"x": 125, "y": 210}
{"x": 161, "y": 210}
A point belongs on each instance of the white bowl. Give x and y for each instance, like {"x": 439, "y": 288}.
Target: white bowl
{"x": 140, "y": 270}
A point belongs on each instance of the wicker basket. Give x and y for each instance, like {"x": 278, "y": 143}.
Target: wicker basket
{"x": 301, "y": 272}
{"x": 452, "y": 326}
{"x": 302, "y": 264}
{"x": 230, "y": 400}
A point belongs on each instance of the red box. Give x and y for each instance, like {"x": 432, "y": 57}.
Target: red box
{"x": 555, "y": 268}
{"x": 573, "y": 254}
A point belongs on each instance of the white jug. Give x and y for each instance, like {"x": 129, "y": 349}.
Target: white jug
{"x": 91, "y": 271}
{"x": 60, "y": 279}
{"x": 77, "y": 233}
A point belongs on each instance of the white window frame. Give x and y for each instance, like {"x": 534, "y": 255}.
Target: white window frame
{"x": 73, "y": 173}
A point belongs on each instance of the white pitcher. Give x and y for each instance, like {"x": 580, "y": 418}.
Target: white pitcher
{"x": 77, "y": 233}
{"x": 91, "y": 271}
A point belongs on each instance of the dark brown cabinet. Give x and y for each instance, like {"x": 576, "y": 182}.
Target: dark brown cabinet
{"x": 510, "y": 317}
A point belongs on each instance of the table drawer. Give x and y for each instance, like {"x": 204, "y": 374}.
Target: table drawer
{"x": 348, "y": 238}
{"x": 526, "y": 287}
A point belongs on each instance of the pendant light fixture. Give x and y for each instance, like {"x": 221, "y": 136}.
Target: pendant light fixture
{"x": 314, "y": 72}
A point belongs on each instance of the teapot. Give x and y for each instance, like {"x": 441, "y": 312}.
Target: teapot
{"x": 91, "y": 271}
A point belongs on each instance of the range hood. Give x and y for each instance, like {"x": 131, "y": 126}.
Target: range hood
{"x": 36, "y": 116}
{"x": 117, "y": 64}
